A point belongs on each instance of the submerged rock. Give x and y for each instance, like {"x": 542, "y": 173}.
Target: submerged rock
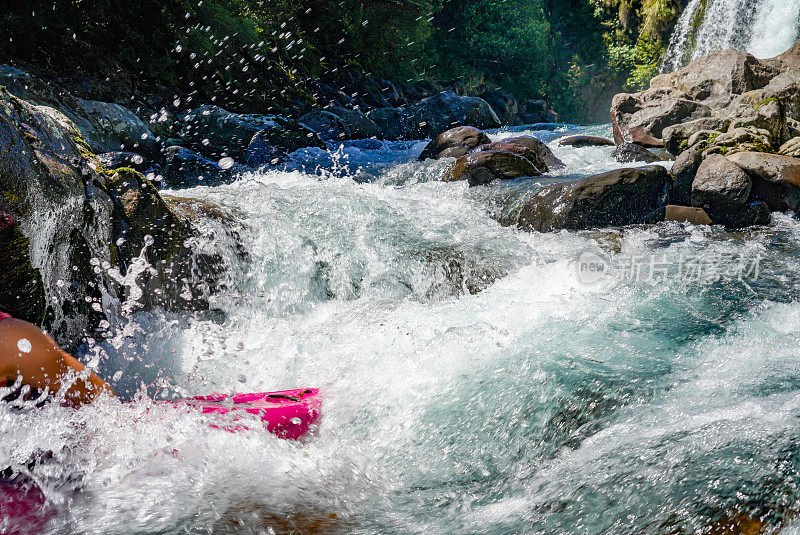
{"x": 484, "y": 167}
{"x": 619, "y": 197}
{"x": 454, "y": 143}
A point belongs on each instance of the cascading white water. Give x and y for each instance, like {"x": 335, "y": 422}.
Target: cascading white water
{"x": 764, "y": 28}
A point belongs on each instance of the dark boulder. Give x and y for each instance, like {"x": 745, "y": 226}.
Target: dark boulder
{"x": 540, "y": 148}
{"x": 454, "y": 143}
{"x": 216, "y": 132}
{"x": 186, "y": 169}
{"x": 630, "y": 152}
{"x": 619, "y": 197}
{"x": 336, "y": 124}
{"x": 393, "y": 122}
{"x": 585, "y": 141}
{"x": 261, "y": 152}
{"x": 486, "y": 166}
{"x": 434, "y": 115}
{"x": 504, "y": 105}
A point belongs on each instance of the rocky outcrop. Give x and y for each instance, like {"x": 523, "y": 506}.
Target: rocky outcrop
{"x": 720, "y": 186}
{"x": 454, "y": 143}
{"x": 483, "y": 167}
{"x": 619, "y": 197}
{"x": 73, "y": 231}
{"x": 431, "y": 116}
{"x": 721, "y": 92}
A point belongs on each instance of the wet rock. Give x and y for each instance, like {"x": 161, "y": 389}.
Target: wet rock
{"x": 776, "y": 178}
{"x": 521, "y": 150}
{"x": 393, "y": 122}
{"x": 483, "y": 167}
{"x": 454, "y": 273}
{"x": 185, "y": 169}
{"x": 117, "y": 128}
{"x": 540, "y": 148}
{"x": 261, "y": 152}
{"x": 504, "y": 105}
{"x": 433, "y": 115}
{"x": 630, "y": 152}
{"x": 79, "y": 228}
{"x": 679, "y": 214}
{"x": 336, "y": 124}
{"x": 115, "y": 160}
{"x": 641, "y": 118}
{"x": 218, "y": 133}
{"x": 619, "y": 197}
{"x": 454, "y": 143}
{"x": 720, "y": 185}
{"x": 585, "y": 141}
{"x": 683, "y": 172}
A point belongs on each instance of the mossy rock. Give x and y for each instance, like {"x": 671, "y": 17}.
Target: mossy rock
{"x": 21, "y": 287}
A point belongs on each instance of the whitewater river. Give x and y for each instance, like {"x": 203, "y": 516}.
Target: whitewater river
{"x": 539, "y": 404}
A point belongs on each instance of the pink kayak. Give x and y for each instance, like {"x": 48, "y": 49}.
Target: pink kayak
{"x": 23, "y": 508}
{"x": 288, "y": 414}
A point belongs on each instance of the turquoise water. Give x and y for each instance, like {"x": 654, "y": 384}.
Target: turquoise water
{"x": 474, "y": 382}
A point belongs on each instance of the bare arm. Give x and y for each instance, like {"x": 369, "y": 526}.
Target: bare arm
{"x": 27, "y": 352}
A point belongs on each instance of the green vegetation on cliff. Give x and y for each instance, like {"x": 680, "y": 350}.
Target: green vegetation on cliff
{"x": 259, "y": 54}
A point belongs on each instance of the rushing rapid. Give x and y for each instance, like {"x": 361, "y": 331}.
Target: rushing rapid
{"x": 475, "y": 381}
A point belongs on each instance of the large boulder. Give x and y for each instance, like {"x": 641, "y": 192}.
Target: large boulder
{"x": 336, "y": 124}
{"x": 641, "y": 118}
{"x": 504, "y": 105}
{"x": 434, "y": 115}
{"x": 540, "y": 148}
{"x": 393, "y": 122}
{"x": 719, "y": 185}
{"x": 74, "y": 233}
{"x": 218, "y": 133}
{"x": 486, "y": 166}
{"x": 676, "y": 136}
{"x": 776, "y": 178}
{"x": 619, "y": 197}
{"x": 454, "y": 143}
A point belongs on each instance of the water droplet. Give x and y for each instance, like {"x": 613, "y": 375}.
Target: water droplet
{"x": 296, "y": 421}
{"x": 226, "y": 163}
{"x": 148, "y": 239}
{"x": 24, "y": 345}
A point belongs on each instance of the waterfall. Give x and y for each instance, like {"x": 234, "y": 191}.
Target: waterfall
{"x": 764, "y": 28}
